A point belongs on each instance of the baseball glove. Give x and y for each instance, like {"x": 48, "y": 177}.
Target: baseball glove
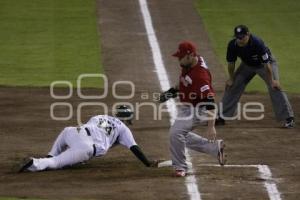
{"x": 165, "y": 96}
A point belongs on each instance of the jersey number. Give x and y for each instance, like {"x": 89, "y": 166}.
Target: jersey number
{"x": 107, "y": 126}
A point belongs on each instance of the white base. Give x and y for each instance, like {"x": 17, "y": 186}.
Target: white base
{"x": 168, "y": 163}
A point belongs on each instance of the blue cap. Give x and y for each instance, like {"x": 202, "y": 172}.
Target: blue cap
{"x": 240, "y": 31}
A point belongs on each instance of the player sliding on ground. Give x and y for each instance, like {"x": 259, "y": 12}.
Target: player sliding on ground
{"x": 93, "y": 139}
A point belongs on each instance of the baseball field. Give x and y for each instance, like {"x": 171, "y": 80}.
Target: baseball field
{"x": 277, "y": 22}
{"x": 47, "y": 45}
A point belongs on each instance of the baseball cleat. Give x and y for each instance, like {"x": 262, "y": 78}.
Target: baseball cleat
{"x": 221, "y": 154}
{"x": 180, "y": 173}
{"x": 289, "y": 123}
{"x": 27, "y": 164}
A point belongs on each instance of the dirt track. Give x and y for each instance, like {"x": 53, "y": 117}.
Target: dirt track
{"x": 26, "y": 127}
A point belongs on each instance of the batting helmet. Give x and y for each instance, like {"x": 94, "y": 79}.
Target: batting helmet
{"x": 124, "y": 113}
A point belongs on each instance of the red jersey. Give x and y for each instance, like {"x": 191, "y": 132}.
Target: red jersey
{"x": 195, "y": 83}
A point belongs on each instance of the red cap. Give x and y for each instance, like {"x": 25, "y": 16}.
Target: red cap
{"x": 185, "y": 48}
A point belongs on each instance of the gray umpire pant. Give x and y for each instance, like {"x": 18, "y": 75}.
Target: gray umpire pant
{"x": 181, "y": 137}
{"x": 243, "y": 76}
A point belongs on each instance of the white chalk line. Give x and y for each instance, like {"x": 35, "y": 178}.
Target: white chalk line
{"x": 190, "y": 181}
{"x": 264, "y": 173}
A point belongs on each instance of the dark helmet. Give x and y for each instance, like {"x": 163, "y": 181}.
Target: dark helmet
{"x": 124, "y": 113}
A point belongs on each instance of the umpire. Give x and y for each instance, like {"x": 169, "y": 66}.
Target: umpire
{"x": 256, "y": 58}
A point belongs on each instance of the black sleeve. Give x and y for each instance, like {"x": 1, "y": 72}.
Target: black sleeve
{"x": 140, "y": 155}
{"x": 231, "y": 52}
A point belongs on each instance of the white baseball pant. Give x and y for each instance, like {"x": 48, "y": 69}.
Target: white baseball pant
{"x": 72, "y": 146}
{"x": 181, "y": 137}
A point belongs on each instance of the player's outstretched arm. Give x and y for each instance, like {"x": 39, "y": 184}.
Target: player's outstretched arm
{"x": 136, "y": 150}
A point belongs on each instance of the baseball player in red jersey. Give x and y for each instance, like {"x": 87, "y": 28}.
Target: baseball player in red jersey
{"x": 197, "y": 104}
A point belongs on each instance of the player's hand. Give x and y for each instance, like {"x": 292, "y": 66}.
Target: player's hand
{"x": 276, "y": 85}
{"x": 155, "y": 163}
{"x": 211, "y": 134}
{"x": 228, "y": 84}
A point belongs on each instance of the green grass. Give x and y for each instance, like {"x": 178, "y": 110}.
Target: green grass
{"x": 48, "y": 40}
{"x": 277, "y": 22}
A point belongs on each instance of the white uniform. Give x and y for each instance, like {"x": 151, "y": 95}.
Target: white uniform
{"x": 78, "y": 144}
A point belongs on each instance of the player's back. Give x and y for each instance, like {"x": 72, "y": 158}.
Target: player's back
{"x": 104, "y": 130}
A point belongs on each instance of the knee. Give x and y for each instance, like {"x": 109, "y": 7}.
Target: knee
{"x": 174, "y": 132}
{"x": 177, "y": 134}
{"x": 183, "y": 130}
{"x": 68, "y": 128}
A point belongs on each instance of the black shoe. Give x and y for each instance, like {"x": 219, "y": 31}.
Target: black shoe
{"x": 289, "y": 122}
{"x": 220, "y": 121}
{"x": 49, "y": 156}
{"x": 25, "y": 166}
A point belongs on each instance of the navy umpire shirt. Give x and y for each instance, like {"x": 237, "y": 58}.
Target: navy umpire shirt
{"x": 254, "y": 54}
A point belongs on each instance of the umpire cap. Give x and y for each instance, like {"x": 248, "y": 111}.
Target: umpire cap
{"x": 240, "y": 31}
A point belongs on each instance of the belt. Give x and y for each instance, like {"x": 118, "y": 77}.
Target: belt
{"x": 87, "y": 131}
{"x": 94, "y": 150}
{"x": 89, "y": 134}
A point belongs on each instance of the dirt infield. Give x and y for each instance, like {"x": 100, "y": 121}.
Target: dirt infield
{"x": 27, "y": 129}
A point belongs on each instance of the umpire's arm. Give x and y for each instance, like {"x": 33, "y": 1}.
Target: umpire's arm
{"x": 274, "y": 83}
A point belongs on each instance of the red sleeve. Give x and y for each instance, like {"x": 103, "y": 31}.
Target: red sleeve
{"x": 203, "y": 87}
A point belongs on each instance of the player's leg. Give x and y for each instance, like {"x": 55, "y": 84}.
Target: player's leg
{"x": 68, "y": 158}
{"x": 232, "y": 95}
{"x": 178, "y": 134}
{"x": 60, "y": 143}
{"x": 80, "y": 149}
{"x": 281, "y": 105}
{"x": 201, "y": 144}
